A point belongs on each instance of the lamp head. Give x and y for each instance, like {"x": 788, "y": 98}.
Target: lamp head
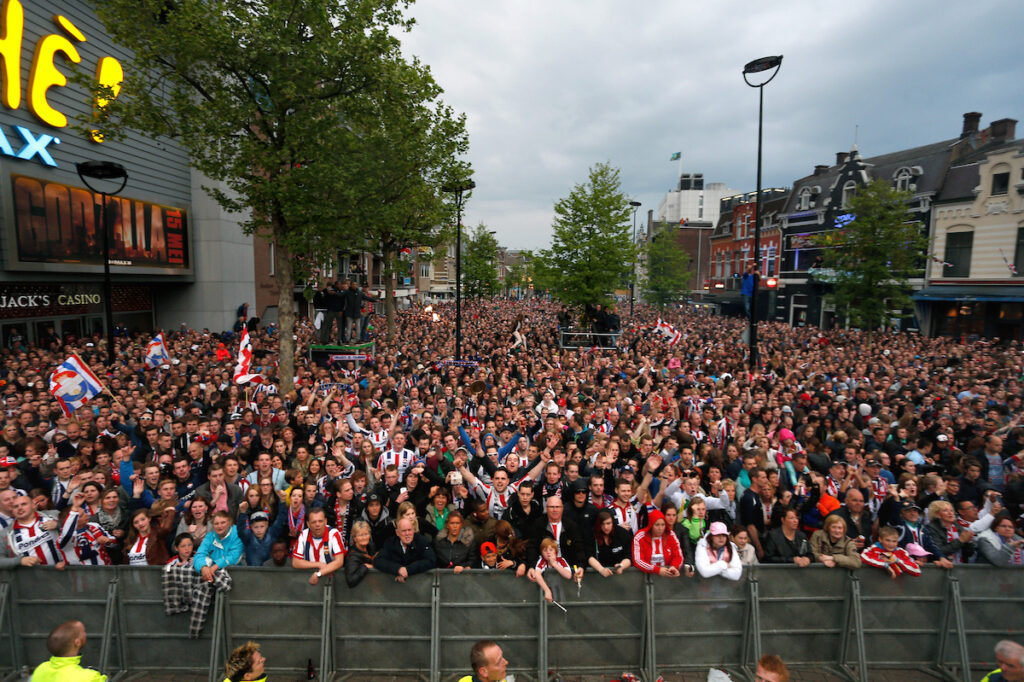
{"x": 763, "y": 64}
{"x": 634, "y": 203}
{"x": 101, "y": 170}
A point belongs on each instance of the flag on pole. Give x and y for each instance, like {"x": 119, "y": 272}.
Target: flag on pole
{"x": 668, "y": 331}
{"x": 73, "y": 384}
{"x": 242, "y": 369}
{"x": 156, "y": 352}
{"x": 1009, "y": 266}
{"x": 676, "y": 156}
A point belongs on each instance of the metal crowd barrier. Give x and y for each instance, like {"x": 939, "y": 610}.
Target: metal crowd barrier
{"x": 945, "y": 623}
{"x": 581, "y": 338}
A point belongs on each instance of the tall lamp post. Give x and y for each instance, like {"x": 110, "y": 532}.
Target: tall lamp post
{"x": 458, "y": 189}
{"x": 112, "y": 172}
{"x": 758, "y": 66}
{"x": 632, "y": 279}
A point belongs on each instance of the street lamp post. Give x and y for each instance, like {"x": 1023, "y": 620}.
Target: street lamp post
{"x": 109, "y": 171}
{"x": 458, "y": 189}
{"x": 758, "y": 66}
{"x": 632, "y": 279}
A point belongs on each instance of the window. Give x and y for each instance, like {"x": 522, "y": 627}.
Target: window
{"x": 425, "y": 270}
{"x": 1018, "y": 254}
{"x": 768, "y": 262}
{"x": 849, "y": 189}
{"x": 1000, "y": 183}
{"x": 903, "y": 177}
{"x": 805, "y": 199}
{"x": 271, "y": 273}
{"x": 958, "y": 254}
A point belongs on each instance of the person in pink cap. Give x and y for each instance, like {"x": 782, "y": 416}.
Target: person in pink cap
{"x": 717, "y": 555}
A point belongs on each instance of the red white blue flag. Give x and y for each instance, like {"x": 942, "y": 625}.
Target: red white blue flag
{"x": 156, "y": 352}
{"x": 668, "y": 331}
{"x": 73, "y": 384}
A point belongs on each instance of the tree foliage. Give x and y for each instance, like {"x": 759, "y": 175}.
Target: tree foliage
{"x": 267, "y": 98}
{"x": 591, "y": 250}
{"x": 870, "y": 260}
{"x": 479, "y": 263}
{"x": 668, "y": 270}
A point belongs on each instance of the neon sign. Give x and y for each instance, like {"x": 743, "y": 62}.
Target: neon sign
{"x": 43, "y": 76}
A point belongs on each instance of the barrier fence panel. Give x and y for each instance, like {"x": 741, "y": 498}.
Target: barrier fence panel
{"x": 6, "y": 625}
{"x": 803, "y": 610}
{"x": 280, "y": 610}
{"x": 489, "y": 604}
{"x": 698, "y": 623}
{"x": 382, "y": 625}
{"x": 993, "y": 609}
{"x": 45, "y": 598}
{"x": 602, "y": 628}
{"x": 152, "y": 640}
{"x": 902, "y": 618}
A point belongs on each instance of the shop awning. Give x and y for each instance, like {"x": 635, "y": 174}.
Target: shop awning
{"x": 1006, "y": 294}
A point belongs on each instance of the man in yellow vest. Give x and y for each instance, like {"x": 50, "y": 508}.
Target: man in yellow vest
{"x": 1010, "y": 656}
{"x": 488, "y": 663}
{"x": 246, "y": 663}
{"x": 65, "y": 643}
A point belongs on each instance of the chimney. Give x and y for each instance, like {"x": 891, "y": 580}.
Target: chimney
{"x": 971, "y": 120}
{"x": 1003, "y": 130}
{"x": 841, "y": 158}
{"x": 820, "y": 169}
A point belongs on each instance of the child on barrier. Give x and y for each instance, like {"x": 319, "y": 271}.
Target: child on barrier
{"x": 887, "y": 554}
{"x": 549, "y": 559}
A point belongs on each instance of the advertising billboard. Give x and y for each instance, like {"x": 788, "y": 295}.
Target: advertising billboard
{"x": 61, "y": 225}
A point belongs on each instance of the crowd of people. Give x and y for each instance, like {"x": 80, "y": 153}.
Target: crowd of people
{"x": 842, "y": 448}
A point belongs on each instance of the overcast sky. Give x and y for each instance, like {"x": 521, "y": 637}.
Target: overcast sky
{"x": 551, "y": 87}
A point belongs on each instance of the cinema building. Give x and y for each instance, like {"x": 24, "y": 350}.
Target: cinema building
{"x": 175, "y": 256}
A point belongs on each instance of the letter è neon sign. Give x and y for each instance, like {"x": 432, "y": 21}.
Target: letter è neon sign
{"x": 43, "y": 75}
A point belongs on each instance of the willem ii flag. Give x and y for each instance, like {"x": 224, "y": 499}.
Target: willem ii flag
{"x": 668, "y": 331}
{"x": 73, "y": 384}
{"x": 156, "y": 352}
{"x": 243, "y": 373}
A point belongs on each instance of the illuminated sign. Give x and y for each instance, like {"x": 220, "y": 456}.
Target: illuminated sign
{"x": 43, "y": 76}
{"x": 55, "y": 223}
{"x": 771, "y": 282}
{"x": 844, "y": 220}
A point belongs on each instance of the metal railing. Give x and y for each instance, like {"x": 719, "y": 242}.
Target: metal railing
{"x": 581, "y": 338}
{"x": 944, "y": 622}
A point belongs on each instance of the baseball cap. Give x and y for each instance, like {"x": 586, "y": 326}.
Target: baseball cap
{"x": 908, "y": 505}
{"x": 718, "y": 528}
{"x": 914, "y": 549}
{"x": 787, "y": 409}
{"x": 942, "y": 438}
{"x": 628, "y": 468}
{"x": 488, "y": 548}
{"x": 372, "y": 497}
{"x": 8, "y": 462}
{"x": 259, "y": 516}
{"x": 872, "y": 463}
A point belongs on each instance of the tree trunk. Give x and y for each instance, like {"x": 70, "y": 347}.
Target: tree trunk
{"x": 285, "y": 317}
{"x": 389, "y": 291}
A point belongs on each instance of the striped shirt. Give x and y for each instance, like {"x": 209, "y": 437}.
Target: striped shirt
{"x": 31, "y": 540}
{"x": 319, "y": 550}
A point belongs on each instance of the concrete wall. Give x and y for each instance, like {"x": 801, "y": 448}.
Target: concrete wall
{"x": 224, "y": 269}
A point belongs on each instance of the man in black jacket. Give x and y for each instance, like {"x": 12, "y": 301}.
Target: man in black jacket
{"x": 579, "y": 509}
{"x": 333, "y": 306}
{"x": 406, "y": 553}
{"x": 565, "y": 532}
{"x": 524, "y": 512}
{"x": 788, "y": 544}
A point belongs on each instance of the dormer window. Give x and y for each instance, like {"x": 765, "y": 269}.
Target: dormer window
{"x": 849, "y": 189}
{"x": 805, "y": 199}
{"x": 903, "y": 178}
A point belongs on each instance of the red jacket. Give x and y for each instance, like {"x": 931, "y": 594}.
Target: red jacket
{"x": 898, "y": 559}
{"x": 643, "y": 546}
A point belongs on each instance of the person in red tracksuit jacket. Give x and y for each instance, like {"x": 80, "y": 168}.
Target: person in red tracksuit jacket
{"x": 656, "y": 549}
{"x": 887, "y": 554}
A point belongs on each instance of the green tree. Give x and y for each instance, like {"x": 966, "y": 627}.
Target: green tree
{"x": 591, "y": 250}
{"x": 258, "y": 93}
{"x": 668, "y": 270}
{"x": 479, "y": 263}
{"x": 869, "y": 261}
{"x": 516, "y": 278}
{"x": 408, "y": 145}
